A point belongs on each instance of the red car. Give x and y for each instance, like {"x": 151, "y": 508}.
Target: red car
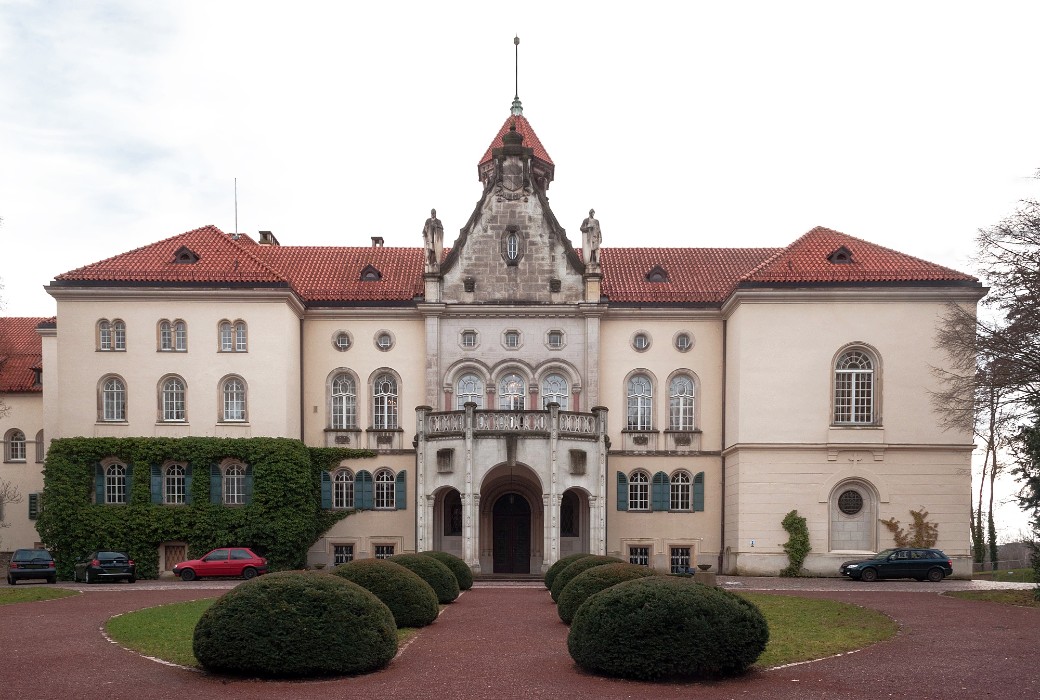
{"x": 226, "y": 561}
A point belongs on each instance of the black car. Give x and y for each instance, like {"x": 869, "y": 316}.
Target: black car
{"x": 29, "y": 564}
{"x": 907, "y": 562}
{"x": 103, "y": 566}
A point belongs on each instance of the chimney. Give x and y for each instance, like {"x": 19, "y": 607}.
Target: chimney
{"x": 267, "y": 238}
{"x": 377, "y": 241}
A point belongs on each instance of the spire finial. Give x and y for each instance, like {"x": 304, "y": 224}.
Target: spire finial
{"x": 517, "y": 108}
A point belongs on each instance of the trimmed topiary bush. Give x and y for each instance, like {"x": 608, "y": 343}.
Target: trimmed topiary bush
{"x": 411, "y": 600}
{"x": 296, "y": 624}
{"x": 593, "y": 581}
{"x": 462, "y": 572}
{"x": 560, "y": 565}
{"x": 565, "y": 576}
{"x": 662, "y": 627}
{"x": 433, "y": 572}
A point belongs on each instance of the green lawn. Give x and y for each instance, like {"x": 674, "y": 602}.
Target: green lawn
{"x": 1024, "y": 598}
{"x": 1014, "y": 575}
{"x": 800, "y": 629}
{"x": 25, "y": 594}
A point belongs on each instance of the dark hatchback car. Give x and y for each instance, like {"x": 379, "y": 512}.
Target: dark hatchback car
{"x": 105, "y": 566}
{"x": 905, "y": 562}
{"x": 31, "y": 564}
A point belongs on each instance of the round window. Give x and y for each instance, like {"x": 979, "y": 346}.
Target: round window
{"x": 850, "y": 502}
{"x": 641, "y": 341}
{"x": 342, "y": 341}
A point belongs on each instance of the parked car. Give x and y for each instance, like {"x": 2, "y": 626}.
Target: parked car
{"x": 226, "y": 561}
{"x": 907, "y": 562}
{"x": 103, "y": 565}
{"x": 30, "y": 564}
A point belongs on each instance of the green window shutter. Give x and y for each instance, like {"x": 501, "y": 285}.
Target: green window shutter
{"x": 400, "y": 491}
{"x": 698, "y": 492}
{"x": 659, "y": 492}
{"x": 156, "y": 484}
{"x": 214, "y": 483}
{"x": 99, "y": 483}
{"x": 187, "y": 485}
{"x": 34, "y": 506}
{"x": 249, "y": 485}
{"x": 363, "y": 496}
{"x": 326, "y": 490}
{"x": 622, "y": 491}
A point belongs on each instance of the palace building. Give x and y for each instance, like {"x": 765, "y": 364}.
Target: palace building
{"x": 528, "y": 395}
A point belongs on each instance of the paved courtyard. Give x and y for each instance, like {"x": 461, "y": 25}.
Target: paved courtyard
{"x": 502, "y": 640}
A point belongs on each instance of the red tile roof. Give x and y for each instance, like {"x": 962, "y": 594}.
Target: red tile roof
{"x": 807, "y": 261}
{"x": 20, "y": 353}
{"x": 332, "y": 275}
{"x": 526, "y": 130}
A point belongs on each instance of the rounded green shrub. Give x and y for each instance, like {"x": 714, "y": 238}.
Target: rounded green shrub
{"x": 296, "y": 624}
{"x": 662, "y": 627}
{"x": 560, "y": 565}
{"x": 565, "y": 576}
{"x": 593, "y": 581}
{"x": 433, "y": 572}
{"x": 411, "y": 600}
{"x": 460, "y": 568}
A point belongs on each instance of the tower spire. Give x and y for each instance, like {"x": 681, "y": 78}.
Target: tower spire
{"x": 517, "y": 108}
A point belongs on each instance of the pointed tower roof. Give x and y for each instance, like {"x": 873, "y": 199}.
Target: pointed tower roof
{"x": 524, "y": 128}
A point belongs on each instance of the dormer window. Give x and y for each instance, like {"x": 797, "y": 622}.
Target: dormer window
{"x": 657, "y": 274}
{"x": 371, "y": 274}
{"x": 842, "y": 256}
{"x": 185, "y": 256}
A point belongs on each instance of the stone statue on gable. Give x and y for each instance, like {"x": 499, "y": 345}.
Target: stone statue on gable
{"x": 433, "y": 241}
{"x": 590, "y": 240}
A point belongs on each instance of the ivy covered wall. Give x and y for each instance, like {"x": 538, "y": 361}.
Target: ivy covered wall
{"x": 282, "y": 515}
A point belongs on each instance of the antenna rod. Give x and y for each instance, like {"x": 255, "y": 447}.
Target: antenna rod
{"x": 236, "y": 205}
{"x": 516, "y": 63}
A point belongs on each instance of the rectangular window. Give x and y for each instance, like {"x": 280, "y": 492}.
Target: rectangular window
{"x": 384, "y": 551}
{"x": 680, "y": 560}
{"x": 639, "y": 555}
{"x": 342, "y": 553}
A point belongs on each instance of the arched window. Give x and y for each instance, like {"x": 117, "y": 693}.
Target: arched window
{"x": 513, "y": 246}
{"x": 469, "y": 389}
{"x": 854, "y": 388}
{"x": 115, "y": 484}
{"x": 453, "y": 513}
{"x": 118, "y": 335}
{"x": 569, "y": 508}
{"x": 640, "y": 403}
{"x": 227, "y": 338}
{"x": 639, "y": 491}
{"x": 240, "y": 336}
{"x": 384, "y": 403}
{"x": 15, "y": 446}
{"x": 172, "y": 399}
{"x": 680, "y": 491}
{"x": 344, "y": 402}
{"x": 385, "y": 490}
{"x": 113, "y": 399}
{"x": 233, "y": 392}
{"x": 512, "y": 391}
{"x": 174, "y": 484}
{"x": 104, "y": 335}
{"x": 165, "y": 335}
{"x": 680, "y": 403}
{"x": 232, "y": 336}
{"x": 40, "y": 447}
{"x": 343, "y": 489}
{"x": 235, "y": 485}
{"x": 555, "y": 390}
{"x": 180, "y": 336}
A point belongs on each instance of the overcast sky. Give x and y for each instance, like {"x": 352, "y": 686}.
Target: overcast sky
{"x": 909, "y": 124}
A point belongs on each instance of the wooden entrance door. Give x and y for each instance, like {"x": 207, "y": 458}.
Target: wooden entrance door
{"x": 512, "y": 534}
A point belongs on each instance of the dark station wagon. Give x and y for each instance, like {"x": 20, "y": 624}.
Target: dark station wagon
{"x": 906, "y": 562}
{"x": 31, "y": 564}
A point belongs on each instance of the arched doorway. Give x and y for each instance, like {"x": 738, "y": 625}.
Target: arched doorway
{"x": 511, "y": 537}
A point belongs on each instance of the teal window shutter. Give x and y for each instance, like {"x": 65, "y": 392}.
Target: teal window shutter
{"x": 156, "y": 484}
{"x": 363, "y": 498}
{"x": 698, "y": 491}
{"x": 34, "y": 506}
{"x": 187, "y": 485}
{"x": 214, "y": 483}
{"x": 622, "y": 491}
{"x": 326, "y": 490}
{"x": 99, "y": 483}
{"x": 659, "y": 492}
{"x": 249, "y": 485}
{"x": 400, "y": 491}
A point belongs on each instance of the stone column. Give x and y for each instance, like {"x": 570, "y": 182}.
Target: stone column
{"x": 423, "y": 539}
{"x": 598, "y": 501}
{"x": 470, "y": 501}
{"x": 551, "y": 548}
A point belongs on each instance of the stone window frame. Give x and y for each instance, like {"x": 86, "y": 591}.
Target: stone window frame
{"x": 509, "y": 332}
{"x": 847, "y": 390}
{"x": 342, "y": 340}
{"x": 549, "y": 339}
{"x": 641, "y": 340}
{"x": 465, "y": 334}
{"x": 387, "y": 335}
{"x": 113, "y": 401}
{"x": 168, "y": 395}
{"x": 639, "y": 491}
{"x": 679, "y": 344}
{"x": 15, "y": 446}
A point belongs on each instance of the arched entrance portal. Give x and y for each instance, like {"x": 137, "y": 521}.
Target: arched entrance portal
{"x": 511, "y": 521}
